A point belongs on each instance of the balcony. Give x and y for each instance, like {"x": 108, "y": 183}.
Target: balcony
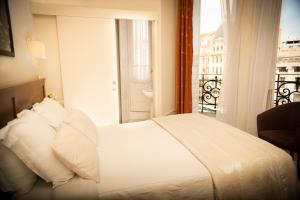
{"x": 210, "y": 87}
{"x": 287, "y": 90}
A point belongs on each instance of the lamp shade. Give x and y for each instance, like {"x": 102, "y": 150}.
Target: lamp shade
{"x": 37, "y": 49}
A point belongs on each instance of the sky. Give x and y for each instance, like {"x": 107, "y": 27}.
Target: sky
{"x": 289, "y": 22}
{"x": 290, "y": 19}
{"x": 210, "y": 15}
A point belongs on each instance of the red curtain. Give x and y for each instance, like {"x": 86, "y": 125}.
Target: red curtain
{"x": 184, "y": 56}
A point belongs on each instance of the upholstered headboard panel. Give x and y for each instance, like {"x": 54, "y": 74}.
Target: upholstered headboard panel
{"x": 16, "y": 98}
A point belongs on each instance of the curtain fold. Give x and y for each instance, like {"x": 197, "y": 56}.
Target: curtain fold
{"x": 196, "y": 55}
{"x": 184, "y": 56}
{"x": 251, "y": 39}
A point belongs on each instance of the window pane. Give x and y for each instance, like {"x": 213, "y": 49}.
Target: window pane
{"x": 211, "y": 54}
{"x": 288, "y": 54}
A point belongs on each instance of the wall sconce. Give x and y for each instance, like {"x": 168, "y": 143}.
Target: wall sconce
{"x": 36, "y": 48}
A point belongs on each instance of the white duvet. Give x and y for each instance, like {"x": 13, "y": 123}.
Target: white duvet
{"x": 184, "y": 157}
{"x": 142, "y": 161}
{"x": 242, "y": 166}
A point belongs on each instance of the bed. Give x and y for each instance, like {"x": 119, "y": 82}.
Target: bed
{"x": 188, "y": 156}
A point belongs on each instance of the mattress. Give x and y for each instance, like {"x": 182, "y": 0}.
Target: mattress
{"x": 140, "y": 161}
{"x": 184, "y": 157}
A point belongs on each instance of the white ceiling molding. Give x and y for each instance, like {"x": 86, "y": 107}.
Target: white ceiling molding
{"x": 77, "y": 11}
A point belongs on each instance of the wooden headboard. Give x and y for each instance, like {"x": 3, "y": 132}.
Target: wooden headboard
{"x": 17, "y": 98}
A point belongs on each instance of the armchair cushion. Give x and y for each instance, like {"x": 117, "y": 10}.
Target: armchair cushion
{"x": 285, "y": 139}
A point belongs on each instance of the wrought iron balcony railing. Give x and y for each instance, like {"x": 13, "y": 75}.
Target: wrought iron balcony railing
{"x": 210, "y": 85}
{"x": 287, "y": 89}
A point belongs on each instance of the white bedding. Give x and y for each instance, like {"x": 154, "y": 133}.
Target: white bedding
{"x": 242, "y": 166}
{"x": 143, "y": 161}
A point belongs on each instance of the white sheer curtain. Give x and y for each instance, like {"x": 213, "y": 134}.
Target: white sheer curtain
{"x": 196, "y": 55}
{"x": 141, "y": 50}
{"x": 251, "y": 35}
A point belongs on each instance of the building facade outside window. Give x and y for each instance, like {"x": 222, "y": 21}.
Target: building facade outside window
{"x": 212, "y": 52}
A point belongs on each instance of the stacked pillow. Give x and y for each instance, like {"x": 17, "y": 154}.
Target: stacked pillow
{"x": 78, "y": 132}
{"x": 14, "y": 174}
{"x": 47, "y": 141}
{"x": 51, "y": 111}
{"x": 82, "y": 123}
{"x": 76, "y": 152}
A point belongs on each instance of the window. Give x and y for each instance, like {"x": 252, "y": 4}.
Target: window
{"x": 297, "y": 81}
{"x": 283, "y": 69}
{"x": 296, "y": 97}
{"x": 282, "y": 79}
{"x": 297, "y": 69}
{"x": 288, "y": 49}
{"x": 211, "y": 30}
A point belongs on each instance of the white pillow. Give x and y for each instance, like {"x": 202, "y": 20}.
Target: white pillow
{"x": 15, "y": 176}
{"x": 83, "y": 123}
{"x": 51, "y": 110}
{"x": 4, "y": 130}
{"x": 30, "y": 139}
{"x": 77, "y": 152}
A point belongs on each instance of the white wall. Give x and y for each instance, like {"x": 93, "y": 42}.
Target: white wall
{"x": 165, "y": 10}
{"x": 168, "y": 43}
{"x": 46, "y": 31}
{"x": 22, "y": 67}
